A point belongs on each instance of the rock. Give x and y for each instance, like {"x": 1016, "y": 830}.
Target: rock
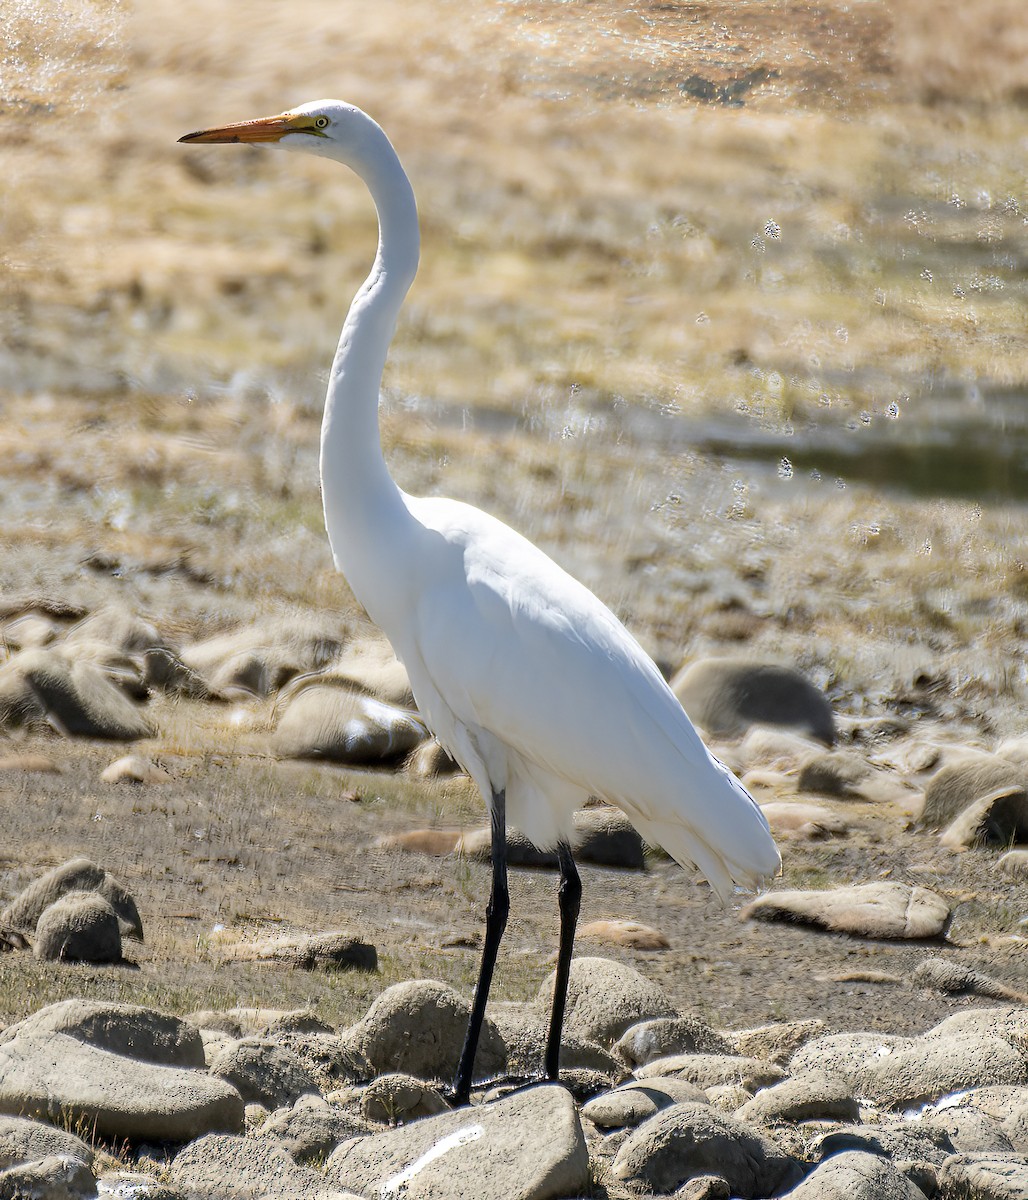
{"x": 947, "y": 976}
{"x": 687, "y": 1140}
{"x": 777, "y": 1042}
{"x": 326, "y": 1056}
{"x": 395, "y": 1099}
{"x": 133, "y": 769}
{"x": 261, "y": 659}
{"x": 776, "y": 750}
{"x": 117, "y": 627}
{"x": 237, "y": 1168}
{"x": 430, "y": 760}
{"x": 967, "y": 782}
{"x": 835, "y": 774}
{"x": 79, "y": 927}
{"x": 856, "y": 1175}
{"x": 529, "y": 1146}
{"x": 436, "y": 842}
{"x": 248, "y": 1022}
{"x": 22, "y": 1140}
{"x": 337, "y": 950}
{"x": 263, "y": 1072}
{"x": 30, "y": 629}
{"x": 635, "y": 1102}
{"x": 133, "y": 1185}
{"x": 1015, "y": 863}
{"x": 164, "y": 670}
{"x": 324, "y": 718}
{"x": 812, "y": 822}
{"x": 727, "y": 696}
{"x": 74, "y": 696}
{"x": 999, "y": 816}
{"x": 371, "y": 666}
{"x": 418, "y": 1027}
{"x": 632, "y": 934}
{"x": 525, "y": 1032}
{"x": 810, "y": 1097}
{"x": 930, "y": 1067}
{"x": 603, "y": 836}
{"x": 705, "y": 1187}
{"x": 712, "y": 1070}
{"x": 903, "y": 1143}
{"x": 76, "y": 875}
{"x": 984, "y": 1177}
{"x": 849, "y": 1055}
{"x": 55, "y": 1177}
{"x": 1009, "y": 1022}
{"x": 879, "y": 910}
{"x": 125, "y": 1029}
{"x": 29, "y": 763}
{"x": 970, "y": 1130}
{"x": 644, "y": 1042}
{"x": 607, "y": 998}
{"x": 312, "y": 1128}
{"x": 52, "y": 1075}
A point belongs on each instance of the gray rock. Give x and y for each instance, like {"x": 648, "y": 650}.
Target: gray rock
{"x": 878, "y": 910}
{"x": 263, "y": 1072}
{"x": 337, "y": 950}
{"x": 903, "y": 1143}
{"x": 705, "y": 1187}
{"x": 76, "y": 875}
{"x": 810, "y": 1097}
{"x": 713, "y": 1070}
{"x": 261, "y": 659}
{"x": 22, "y": 1140}
{"x": 855, "y": 1175}
{"x": 834, "y": 774}
{"x": 1008, "y": 1021}
{"x": 72, "y": 695}
{"x": 326, "y": 718}
{"x": 396, "y": 1099}
{"x": 371, "y": 666}
{"x": 932, "y": 1067}
{"x": 127, "y": 1029}
{"x": 55, "y": 1177}
{"x": 164, "y": 670}
{"x": 80, "y": 927}
{"x": 118, "y": 627}
{"x": 726, "y": 696}
{"x": 984, "y": 1177}
{"x": 607, "y": 998}
{"x": 418, "y": 1027}
{"x": 970, "y": 1130}
{"x": 966, "y": 782}
{"x": 945, "y": 975}
{"x": 237, "y": 1168}
{"x": 687, "y": 1140}
{"x": 312, "y": 1128}
{"x": 647, "y": 1040}
{"x": 849, "y": 1055}
{"x": 1015, "y": 1123}
{"x": 777, "y": 1042}
{"x": 529, "y": 1146}
{"x": 1015, "y": 863}
{"x": 524, "y": 1033}
{"x": 55, "y": 1077}
{"x": 134, "y": 1185}
{"x": 635, "y": 1102}
{"x": 326, "y": 1056}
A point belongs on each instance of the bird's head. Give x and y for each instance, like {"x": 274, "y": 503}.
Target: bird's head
{"x": 326, "y": 127}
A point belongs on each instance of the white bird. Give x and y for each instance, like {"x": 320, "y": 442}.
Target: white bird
{"x": 525, "y": 677}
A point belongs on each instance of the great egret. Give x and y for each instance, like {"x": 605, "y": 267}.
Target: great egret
{"x": 531, "y": 683}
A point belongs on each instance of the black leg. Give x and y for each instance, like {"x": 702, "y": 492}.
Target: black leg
{"x": 495, "y": 923}
{"x": 569, "y": 900}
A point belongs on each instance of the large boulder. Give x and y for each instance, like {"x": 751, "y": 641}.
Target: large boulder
{"x": 418, "y": 1027}
{"x": 529, "y": 1146}
{"x": 76, "y": 875}
{"x": 689, "y": 1140}
{"x": 607, "y": 998}
{"x": 126, "y": 1029}
{"x": 237, "y": 1168}
{"x": 875, "y": 910}
{"x": 53, "y": 1076}
{"x": 726, "y": 696}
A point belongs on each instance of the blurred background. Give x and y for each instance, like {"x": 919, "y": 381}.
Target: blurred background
{"x": 721, "y": 303}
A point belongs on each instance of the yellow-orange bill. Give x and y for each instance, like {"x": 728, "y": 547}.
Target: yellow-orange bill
{"x": 264, "y": 129}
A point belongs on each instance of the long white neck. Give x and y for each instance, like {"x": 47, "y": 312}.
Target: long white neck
{"x": 364, "y": 510}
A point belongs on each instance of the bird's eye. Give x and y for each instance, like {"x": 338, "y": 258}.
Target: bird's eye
{"x": 321, "y": 123}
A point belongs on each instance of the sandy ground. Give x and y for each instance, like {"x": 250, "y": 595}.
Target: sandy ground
{"x": 790, "y": 237}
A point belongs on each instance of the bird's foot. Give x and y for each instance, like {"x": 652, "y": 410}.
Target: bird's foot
{"x": 497, "y": 1088}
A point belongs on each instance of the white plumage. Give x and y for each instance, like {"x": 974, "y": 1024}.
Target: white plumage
{"x": 530, "y": 682}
